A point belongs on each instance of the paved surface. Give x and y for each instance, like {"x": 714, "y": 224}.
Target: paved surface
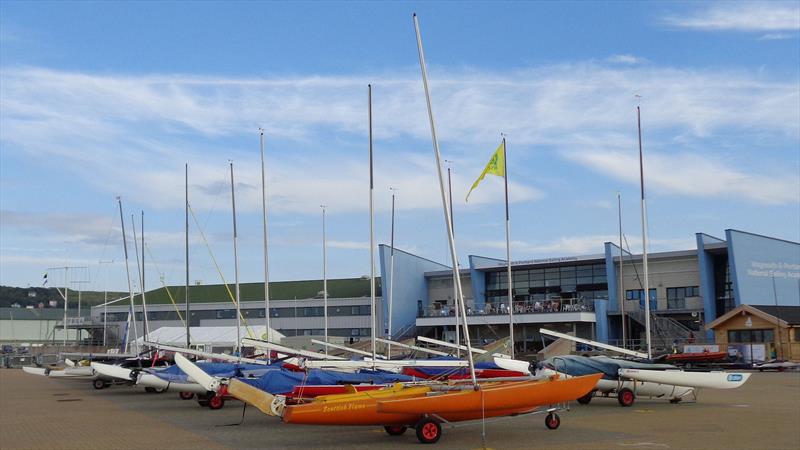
{"x": 37, "y": 412}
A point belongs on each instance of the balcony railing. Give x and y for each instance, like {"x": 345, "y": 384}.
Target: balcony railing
{"x": 542, "y": 307}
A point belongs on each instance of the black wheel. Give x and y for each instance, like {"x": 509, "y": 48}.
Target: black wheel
{"x": 99, "y": 384}
{"x": 186, "y": 395}
{"x": 150, "y": 390}
{"x": 202, "y": 400}
{"x": 552, "y": 421}
{"x": 625, "y": 397}
{"x": 586, "y": 398}
{"x": 395, "y": 430}
{"x": 675, "y": 400}
{"x": 428, "y": 431}
{"x": 216, "y": 402}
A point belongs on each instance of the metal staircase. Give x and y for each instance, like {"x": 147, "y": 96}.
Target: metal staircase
{"x": 665, "y": 330}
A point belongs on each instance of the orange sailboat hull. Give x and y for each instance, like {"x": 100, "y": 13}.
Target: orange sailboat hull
{"x": 407, "y": 405}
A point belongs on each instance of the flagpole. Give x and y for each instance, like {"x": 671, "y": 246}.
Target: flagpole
{"x": 266, "y": 235}
{"x": 644, "y": 239}
{"x": 508, "y": 254}
{"x": 371, "y": 227}
{"x": 455, "y": 268}
{"x": 186, "y": 244}
{"x": 236, "y": 270}
{"x": 451, "y": 238}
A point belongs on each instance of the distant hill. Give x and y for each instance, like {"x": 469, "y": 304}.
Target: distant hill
{"x": 25, "y": 296}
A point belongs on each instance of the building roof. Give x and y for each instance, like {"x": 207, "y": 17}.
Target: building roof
{"x": 278, "y": 290}
{"x": 790, "y": 314}
{"x": 783, "y": 315}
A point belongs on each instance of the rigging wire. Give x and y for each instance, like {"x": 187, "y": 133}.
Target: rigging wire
{"x": 163, "y": 284}
{"x": 225, "y": 283}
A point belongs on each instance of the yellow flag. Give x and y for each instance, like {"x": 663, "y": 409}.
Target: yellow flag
{"x": 496, "y": 166}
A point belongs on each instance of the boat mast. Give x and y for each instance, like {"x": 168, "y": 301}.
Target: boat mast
{"x": 128, "y": 273}
{"x": 644, "y": 239}
{"x": 391, "y": 276}
{"x": 266, "y": 235}
{"x": 451, "y": 239}
{"x": 186, "y": 245}
{"x": 621, "y": 289}
{"x": 455, "y": 268}
{"x": 371, "y": 228}
{"x": 236, "y": 270}
{"x": 325, "y": 275}
{"x": 140, "y": 270}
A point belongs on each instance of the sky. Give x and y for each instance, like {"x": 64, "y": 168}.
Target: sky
{"x": 107, "y": 99}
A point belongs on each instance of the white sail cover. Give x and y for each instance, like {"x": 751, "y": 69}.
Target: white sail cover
{"x": 207, "y": 336}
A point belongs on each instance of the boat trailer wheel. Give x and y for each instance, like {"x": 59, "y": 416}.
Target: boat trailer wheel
{"x": 99, "y": 384}
{"x": 552, "y": 421}
{"x": 395, "y": 430}
{"x": 428, "y": 430}
{"x": 216, "y": 402}
{"x": 186, "y": 395}
{"x": 625, "y": 397}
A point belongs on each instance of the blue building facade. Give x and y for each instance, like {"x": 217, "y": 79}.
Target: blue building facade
{"x": 693, "y": 286}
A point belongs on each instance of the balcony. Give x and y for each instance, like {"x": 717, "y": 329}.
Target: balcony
{"x": 566, "y": 310}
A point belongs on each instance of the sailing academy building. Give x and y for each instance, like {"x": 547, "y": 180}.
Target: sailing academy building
{"x": 590, "y": 295}
{"x": 594, "y": 295}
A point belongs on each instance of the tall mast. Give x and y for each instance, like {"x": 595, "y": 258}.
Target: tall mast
{"x": 141, "y": 275}
{"x": 621, "y": 288}
{"x": 371, "y": 228}
{"x": 508, "y": 254}
{"x": 451, "y": 239}
{"x": 266, "y": 235}
{"x": 186, "y": 245}
{"x": 644, "y": 239}
{"x": 324, "y": 276}
{"x": 128, "y": 273}
{"x": 455, "y": 268}
{"x": 66, "y": 298}
{"x": 391, "y": 277}
{"x": 236, "y": 270}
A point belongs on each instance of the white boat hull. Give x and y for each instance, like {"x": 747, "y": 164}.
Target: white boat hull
{"x": 41, "y": 371}
{"x": 640, "y": 388}
{"x": 712, "y": 380}
{"x": 150, "y": 380}
{"x": 112, "y": 372}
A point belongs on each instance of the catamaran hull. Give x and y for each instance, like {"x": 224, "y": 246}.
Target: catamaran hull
{"x": 399, "y": 408}
{"x": 150, "y": 380}
{"x": 41, "y": 371}
{"x": 712, "y": 380}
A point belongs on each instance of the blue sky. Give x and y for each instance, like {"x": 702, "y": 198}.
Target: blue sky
{"x": 103, "y": 99}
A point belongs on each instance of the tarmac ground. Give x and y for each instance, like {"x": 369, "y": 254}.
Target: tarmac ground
{"x": 43, "y": 413}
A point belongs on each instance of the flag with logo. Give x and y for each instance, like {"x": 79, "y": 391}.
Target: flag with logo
{"x": 496, "y": 166}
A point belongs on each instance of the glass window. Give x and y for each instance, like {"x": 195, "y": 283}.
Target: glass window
{"x": 537, "y": 274}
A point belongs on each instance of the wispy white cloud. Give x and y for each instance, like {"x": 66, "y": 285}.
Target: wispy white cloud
{"x": 741, "y": 16}
{"x": 776, "y": 36}
{"x": 692, "y": 175}
{"x": 584, "y": 245}
{"x": 135, "y": 132}
{"x": 350, "y": 245}
{"x": 626, "y": 59}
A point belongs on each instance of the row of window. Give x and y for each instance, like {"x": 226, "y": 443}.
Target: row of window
{"x": 747, "y": 336}
{"x": 555, "y": 276}
{"x": 339, "y": 332}
{"x": 306, "y": 311}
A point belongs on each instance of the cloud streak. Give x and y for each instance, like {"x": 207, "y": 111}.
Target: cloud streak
{"x": 737, "y": 16}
